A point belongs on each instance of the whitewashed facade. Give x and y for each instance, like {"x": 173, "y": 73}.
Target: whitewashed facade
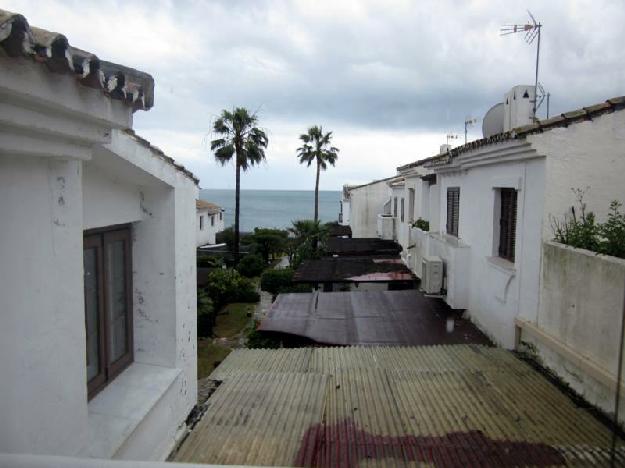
{"x": 94, "y": 219}
{"x": 209, "y": 221}
{"x": 366, "y": 202}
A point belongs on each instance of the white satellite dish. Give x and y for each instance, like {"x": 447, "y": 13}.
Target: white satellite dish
{"x": 492, "y": 124}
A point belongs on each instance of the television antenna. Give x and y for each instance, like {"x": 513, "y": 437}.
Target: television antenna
{"x": 452, "y": 136}
{"x": 467, "y": 122}
{"x": 532, "y": 32}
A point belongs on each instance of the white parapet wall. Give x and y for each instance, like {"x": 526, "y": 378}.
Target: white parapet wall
{"x": 577, "y": 331}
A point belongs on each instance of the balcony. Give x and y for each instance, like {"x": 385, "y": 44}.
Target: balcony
{"x": 386, "y": 226}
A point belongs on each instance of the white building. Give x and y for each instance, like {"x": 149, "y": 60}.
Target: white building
{"x": 366, "y": 202}
{"x": 97, "y": 241}
{"x": 210, "y": 221}
{"x": 497, "y": 197}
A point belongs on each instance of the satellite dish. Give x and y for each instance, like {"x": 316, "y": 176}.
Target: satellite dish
{"x": 492, "y": 124}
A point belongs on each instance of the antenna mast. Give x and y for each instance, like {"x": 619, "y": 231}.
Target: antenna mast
{"x": 532, "y": 31}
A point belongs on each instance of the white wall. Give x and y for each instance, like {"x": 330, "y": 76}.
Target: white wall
{"x": 366, "y": 203}
{"x": 584, "y": 155}
{"x": 581, "y": 307}
{"x": 43, "y": 407}
{"x": 208, "y": 234}
{"x": 493, "y": 290}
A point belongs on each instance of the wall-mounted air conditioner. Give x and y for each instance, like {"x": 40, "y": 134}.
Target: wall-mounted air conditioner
{"x": 432, "y": 275}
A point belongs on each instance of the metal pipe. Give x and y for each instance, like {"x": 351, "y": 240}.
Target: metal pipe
{"x": 536, "y": 76}
{"x": 617, "y": 397}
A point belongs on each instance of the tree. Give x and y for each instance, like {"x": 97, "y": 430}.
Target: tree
{"x": 241, "y": 139}
{"x": 306, "y": 236}
{"x": 269, "y": 242}
{"x": 316, "y": 148}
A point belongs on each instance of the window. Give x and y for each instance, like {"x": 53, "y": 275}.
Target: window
{"x": 411, "y": 200}
{"x": 507, "y": 223}
{"x": 108, "y": 305}
{"x": 220, "y": 216}
{"x": 395, "y": 207}
{"x": 453, "y": 210}
{"x": 201, "y": 223}
{"x": 402, "y": 210}
{"x": 212, "y": 220}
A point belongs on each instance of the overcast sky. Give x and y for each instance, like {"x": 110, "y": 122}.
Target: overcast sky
{"x": 389, "y": 78}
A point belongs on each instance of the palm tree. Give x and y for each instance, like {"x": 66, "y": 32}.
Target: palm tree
{"x": 239, "y": 137}
{"x": 316, "y": 148}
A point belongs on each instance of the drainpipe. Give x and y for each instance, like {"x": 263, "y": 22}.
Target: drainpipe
{"x": 617, "y": 396}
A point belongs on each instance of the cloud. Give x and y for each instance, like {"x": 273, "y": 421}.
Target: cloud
{"x": 390, "y": 78}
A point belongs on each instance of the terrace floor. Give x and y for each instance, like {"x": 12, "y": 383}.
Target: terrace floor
{"x": 450, "y": 406}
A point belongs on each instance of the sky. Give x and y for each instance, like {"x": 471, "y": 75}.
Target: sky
{"x": 390, "y": 79}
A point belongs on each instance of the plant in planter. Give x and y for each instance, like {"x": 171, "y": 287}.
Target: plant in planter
{"x": 421, "y": 224}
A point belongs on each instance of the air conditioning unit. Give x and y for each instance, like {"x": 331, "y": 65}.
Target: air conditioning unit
{"x": 432, "y": 275}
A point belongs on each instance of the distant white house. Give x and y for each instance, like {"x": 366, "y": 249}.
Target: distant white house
{"x": 210, "y": 221}
{"x": 365, "y": 203}
{"x": 97, "y": 248}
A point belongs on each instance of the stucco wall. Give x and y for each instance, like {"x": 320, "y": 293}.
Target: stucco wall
{"x": 43, "y": 407}
{"x": 588, "y": 155}
{"x": 366, "y": 203}
{"x": 208, "y": 234}
{"x": 581, "y": 305}
{"x": 493, "y": 290}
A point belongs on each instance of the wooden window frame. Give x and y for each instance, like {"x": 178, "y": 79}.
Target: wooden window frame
{"x": 507, "y": 223}
{"x": 453, "y": 211}
{"x": 100, "y": 238}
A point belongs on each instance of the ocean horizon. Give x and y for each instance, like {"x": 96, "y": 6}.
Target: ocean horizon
{"x": 274, "y": 208}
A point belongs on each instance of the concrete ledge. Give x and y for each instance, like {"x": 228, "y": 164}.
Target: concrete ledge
{"x": 121, "y": 407}
{"x": 583, "y": 363}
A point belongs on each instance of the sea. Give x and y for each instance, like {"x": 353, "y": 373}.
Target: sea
{"x": 274, "y": 208}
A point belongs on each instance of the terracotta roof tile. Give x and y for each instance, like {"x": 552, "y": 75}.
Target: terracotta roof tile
{"x": 206, "y": 205}
{"x": 19, "y": 39}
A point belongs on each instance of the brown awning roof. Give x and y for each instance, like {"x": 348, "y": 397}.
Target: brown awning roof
{"x": 368, "y": 318}
{"x": 362, "y": 246}
{"x": 19, "y": 39}
{"x": 352, "y": 270}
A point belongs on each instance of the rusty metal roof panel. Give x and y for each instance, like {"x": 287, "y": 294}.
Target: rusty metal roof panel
{"x": 362, "y": 246}
{"x": 369, "y": 318}
{"x": 449, "y": 406}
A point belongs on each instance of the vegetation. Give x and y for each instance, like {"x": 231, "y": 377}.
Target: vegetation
{"x": 422, "y": 224}
{"x": 269, "y": 243}
{"x": 581, "y": 229}
{"x": 232, "y": 319}
{"x": 226, "y": 286}
{"x": 205, "y": 313}
{"x": 251, "y": 265}
{"x": 317, "y": 148}
{"x": 239, "y": 138}
{"x": 209, "y": 356}
{"x": 274, "y": 281}
{"x": 256, "y": 339}
{"x": 308, "y": 237}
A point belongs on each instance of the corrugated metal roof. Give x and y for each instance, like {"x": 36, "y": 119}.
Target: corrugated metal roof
{"x": 369, "y": 318}
{"x": 361, "y": 246}
{"x": 463, "y": 405}
{"x": 352, "y": 270}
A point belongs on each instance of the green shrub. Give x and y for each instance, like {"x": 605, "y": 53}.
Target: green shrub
{"x": 273, "y": 281}
{"x": 422, "y": 224}
{"x": 251, "y": 265}
{"x": 269, "y": 242}
{"x": 205, "y": 314}
{"x": 225, "y": 286}
{"x": 580, "y": 230}
{"x": 257, "y": 339}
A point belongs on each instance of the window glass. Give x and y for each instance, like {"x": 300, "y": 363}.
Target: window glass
{"x": 116, "y": 299}
{"x": 92, "y": 312}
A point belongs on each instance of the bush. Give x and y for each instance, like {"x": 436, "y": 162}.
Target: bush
{"x": 225, "y": 286}
{"x": 256, "y": 339}
{"x": 205, "y": 314}
{"x": 583, "y": 232}
{"x": 422, "y": 224}
{"x": 251, "y": 265}
{"x": 273, "y": 281}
